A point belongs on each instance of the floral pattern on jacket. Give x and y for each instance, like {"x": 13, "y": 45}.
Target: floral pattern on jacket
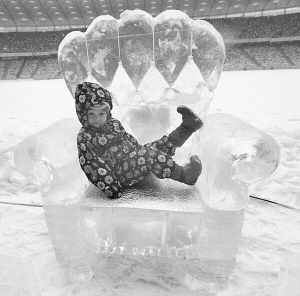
{"x": 98, "y": 151}
{"x": 111, "y": 158}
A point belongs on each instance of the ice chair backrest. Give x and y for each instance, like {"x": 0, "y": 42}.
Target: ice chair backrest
{"x": 150, "y": 65}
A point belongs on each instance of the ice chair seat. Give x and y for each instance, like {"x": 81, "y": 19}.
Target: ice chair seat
{"x": 152, "y": 194}
{"x": 144, "y": 212}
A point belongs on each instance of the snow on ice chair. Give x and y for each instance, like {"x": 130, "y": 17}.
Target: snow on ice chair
{"x": 150, "y": 65}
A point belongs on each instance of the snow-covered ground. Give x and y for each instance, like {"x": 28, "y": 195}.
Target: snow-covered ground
{"x": 269, "y": 100}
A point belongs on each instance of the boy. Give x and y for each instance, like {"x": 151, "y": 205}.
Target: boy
{"x": 113, "y": 160}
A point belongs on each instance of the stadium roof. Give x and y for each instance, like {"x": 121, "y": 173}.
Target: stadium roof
{"x": 49, "y": 15}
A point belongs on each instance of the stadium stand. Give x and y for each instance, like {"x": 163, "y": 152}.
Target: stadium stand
{"x": 48, "y": 68}
{"x": 2, "y": 67}
{"x": 14, "y": 68}
{"x": 292, "y": 50}
{"x": 267, "y": 42}
{"x": 17, "y": 42}
{"x": 236, "y": 59}
{"x": 258, "y": 27}
{"x": 267, "y": 55}
{"x": 230, "y": 28}
{"x": 287, "y": 25}
{"x": 30, "y": 66}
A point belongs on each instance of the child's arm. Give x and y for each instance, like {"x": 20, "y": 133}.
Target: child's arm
{"x": 96, "y": 170}
{"x": 131, "y": 138}
{"x": 111, "y": 132}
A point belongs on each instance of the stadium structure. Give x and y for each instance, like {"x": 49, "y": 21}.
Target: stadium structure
{"x": 258, "y": 34}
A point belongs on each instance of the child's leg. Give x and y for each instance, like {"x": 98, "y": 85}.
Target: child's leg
{"x": 165, "y": 145}
{"x": 190, "y": 123}
{"x": 141, "y": 162}
{"x": 144, "y": 160}
{"x": 156, "y": 157}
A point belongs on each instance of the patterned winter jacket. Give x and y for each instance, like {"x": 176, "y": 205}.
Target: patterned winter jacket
{"x": 101, "y": 152}
{"x": 105, "y": 153}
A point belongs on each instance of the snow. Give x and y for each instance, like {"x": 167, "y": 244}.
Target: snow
{"x": 266, "y": 99}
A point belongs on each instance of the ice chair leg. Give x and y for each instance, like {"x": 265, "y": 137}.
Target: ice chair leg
{"x": 69, "y": 246}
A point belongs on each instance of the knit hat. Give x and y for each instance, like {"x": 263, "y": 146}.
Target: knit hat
{"x": 89, "y": 95}
{"x": 93, "y": 94}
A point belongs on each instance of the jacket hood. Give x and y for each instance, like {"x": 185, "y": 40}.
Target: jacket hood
{"x": 88, "y": 95}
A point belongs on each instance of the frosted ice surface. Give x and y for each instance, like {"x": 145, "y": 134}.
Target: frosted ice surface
{"x": 235, "y": 155}
{"x": 73, "y": 59}
{"x": 151, "y": 65}
{"x": 102, "y": 49}
{"x": 161, "y": 214}
{"x": 153, "y": 193}
{"x": 49, "y": 159}
{"x": 136, "y": 44}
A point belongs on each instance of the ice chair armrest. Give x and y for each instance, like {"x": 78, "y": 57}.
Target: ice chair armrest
{"x": 234, "y": 155}
{"x": 49, "y": 158}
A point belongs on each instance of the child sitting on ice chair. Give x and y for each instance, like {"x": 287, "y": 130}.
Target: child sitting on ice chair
{"x": 113, "y": 160}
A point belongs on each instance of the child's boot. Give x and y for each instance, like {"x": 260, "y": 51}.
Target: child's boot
{"x": 190, "y": 123}
{"x": 189, "y": 173}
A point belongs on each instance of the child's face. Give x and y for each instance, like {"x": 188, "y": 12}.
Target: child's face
{"x": 96, "y": 116}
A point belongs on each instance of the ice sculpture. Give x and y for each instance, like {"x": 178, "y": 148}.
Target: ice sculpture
{"x": 238, "y": 155}
{"x": 151, "y": 65}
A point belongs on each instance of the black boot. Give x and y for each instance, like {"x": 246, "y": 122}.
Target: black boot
{"x": 189, "y": 173}
{"x": 190, "y": 123}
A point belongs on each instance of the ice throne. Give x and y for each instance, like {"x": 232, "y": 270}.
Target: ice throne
{"x": 150, "y": 65}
